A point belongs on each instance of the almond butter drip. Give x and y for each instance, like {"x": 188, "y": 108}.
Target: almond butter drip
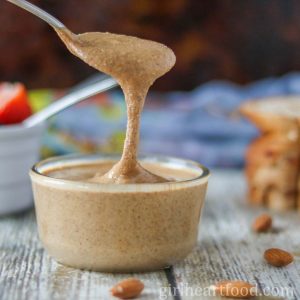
{"x": 135, "y": 63}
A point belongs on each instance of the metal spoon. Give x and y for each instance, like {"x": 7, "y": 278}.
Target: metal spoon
{"x": 74, "y": 97}
{"x": 79, "y": 94}
{"x": 38, "y": 12}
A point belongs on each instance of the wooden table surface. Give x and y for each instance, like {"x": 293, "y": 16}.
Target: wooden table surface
{"x": 227, "y": 249}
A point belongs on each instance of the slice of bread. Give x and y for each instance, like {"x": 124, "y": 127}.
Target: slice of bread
{"x": 273, "y": 160}
{"x": 274, "y": 113}
{"x": 272, "y": 171}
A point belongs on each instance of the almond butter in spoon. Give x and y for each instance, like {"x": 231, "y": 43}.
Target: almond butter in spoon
{"x": 135, "y": 63}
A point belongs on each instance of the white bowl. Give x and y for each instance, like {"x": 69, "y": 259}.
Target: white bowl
{"x": 19, "y": 150}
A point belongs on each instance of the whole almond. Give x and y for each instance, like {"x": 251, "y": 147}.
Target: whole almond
{"x": 278, "y": 257}
{"x": 262, "y": 223}
{"x": 235, "y": 289}
{"x": 127, "y": 289}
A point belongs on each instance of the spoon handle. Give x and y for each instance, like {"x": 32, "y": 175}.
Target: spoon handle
{"x": 38, "y": 12}
{"x": 70, "y": 99}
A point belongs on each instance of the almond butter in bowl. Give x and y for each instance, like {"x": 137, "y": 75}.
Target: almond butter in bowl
{"x": 235, "y": 289}
{"x": 127, "y": 289}
{"x": 262, "y": 223}
{"x": 278, "y": 257}
{"x": 118, "y": 227}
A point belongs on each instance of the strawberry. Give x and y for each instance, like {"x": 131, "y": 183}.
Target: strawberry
{"x": 14, "y": 104}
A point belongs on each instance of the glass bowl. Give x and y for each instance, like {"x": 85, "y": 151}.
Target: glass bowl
{"x": 118, "y": 227}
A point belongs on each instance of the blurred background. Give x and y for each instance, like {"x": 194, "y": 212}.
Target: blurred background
{"x": 227, "y": 52}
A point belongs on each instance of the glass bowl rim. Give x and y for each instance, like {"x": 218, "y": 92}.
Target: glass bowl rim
{"x": 202, "y": 178}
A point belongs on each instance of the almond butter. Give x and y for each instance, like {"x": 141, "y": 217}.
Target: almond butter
{"x": 235, "y": 289}
{"x": 262, "y": 223}
{"x": 128, "y": 289}
{"x": 278, "y": 257}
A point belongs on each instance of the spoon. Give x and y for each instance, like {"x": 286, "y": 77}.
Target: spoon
{"x": 75, "y": 96}
{"x": 52, "y": 21}
{"x": 72, "y": 98}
